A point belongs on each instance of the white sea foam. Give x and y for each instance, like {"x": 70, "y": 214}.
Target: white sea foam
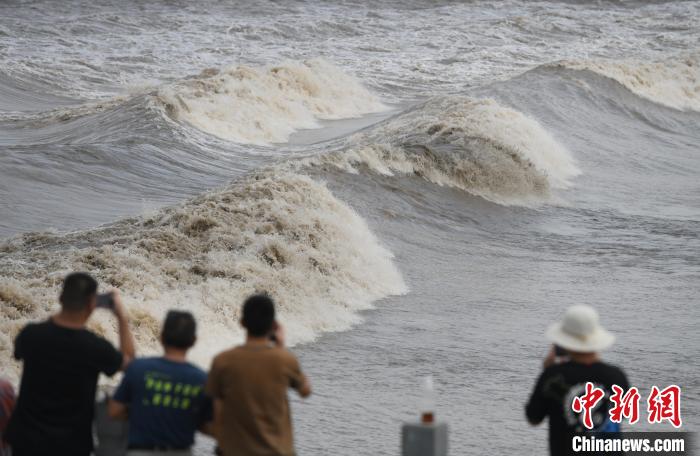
{"x": 674, "y": 82}
{"x": 266, "y": 105}
{"x": 284, "y": 234}
{"x": 476, "y": 145}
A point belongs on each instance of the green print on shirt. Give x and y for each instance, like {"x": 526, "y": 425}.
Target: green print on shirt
{"x": 161, "y": 392}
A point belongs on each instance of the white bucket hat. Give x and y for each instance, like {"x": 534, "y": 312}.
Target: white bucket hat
{"x": 580, "y": 331}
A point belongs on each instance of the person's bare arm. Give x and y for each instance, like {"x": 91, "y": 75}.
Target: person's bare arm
{"x": 126, "y": 339}
{"x": 117, "y": 411}
{"x": 210, "y": 428}
{"x": 551, "y": 357}
{"x": 305, "y": 388}
{"x": 280, "y": 336}
{"x": 280, "y": 339}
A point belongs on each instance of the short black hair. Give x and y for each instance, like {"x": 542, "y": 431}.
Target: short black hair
{"x": 179, "y": 330}
{"x": 78, "y": 288}
{"x": 258, "y": 315}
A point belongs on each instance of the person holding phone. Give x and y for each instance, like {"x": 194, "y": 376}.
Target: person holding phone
{"x": 573, "y": 360}
{"x": 62, "y": 362}
{"x": 249, "y": 386}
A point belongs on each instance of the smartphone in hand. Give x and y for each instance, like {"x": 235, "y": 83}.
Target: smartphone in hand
{"x": 560, "y": 352}
{"x": 105, "y": 301}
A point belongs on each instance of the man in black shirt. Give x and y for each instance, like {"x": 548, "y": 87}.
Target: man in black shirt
{"x": 62, "y": 362}
{"x": 571, "y": 363}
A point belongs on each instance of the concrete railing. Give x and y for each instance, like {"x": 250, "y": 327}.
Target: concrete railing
{"x": 417, "y": 439}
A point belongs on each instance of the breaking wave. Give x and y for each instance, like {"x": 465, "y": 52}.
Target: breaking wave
{"x": 277, "y": 230}
{"x": 673, "y": 83}
{"x": 285, "y": 234}
{"x": 475, "y": 145}
{"x": 266, "y": 105}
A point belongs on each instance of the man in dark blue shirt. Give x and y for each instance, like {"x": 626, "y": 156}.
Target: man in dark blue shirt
{"x": 163, "y": 398}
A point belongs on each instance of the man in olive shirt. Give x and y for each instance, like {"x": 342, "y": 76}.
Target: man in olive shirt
{"x": 249, "y": 385}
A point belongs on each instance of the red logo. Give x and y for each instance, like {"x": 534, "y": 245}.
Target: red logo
{"x": 665, "y": 405}
{"x": 624, "y": 405}
{"x": 587, "y": 403}
{"x": 662, "y": 405}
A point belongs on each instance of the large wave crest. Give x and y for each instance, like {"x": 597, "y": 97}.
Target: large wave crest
{"x": 284, "y": 234}
{"x": 266, "y": 105}
{"x": 476, "y": 145}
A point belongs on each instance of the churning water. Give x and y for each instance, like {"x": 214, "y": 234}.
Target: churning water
{"x": 422, "y": 186}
